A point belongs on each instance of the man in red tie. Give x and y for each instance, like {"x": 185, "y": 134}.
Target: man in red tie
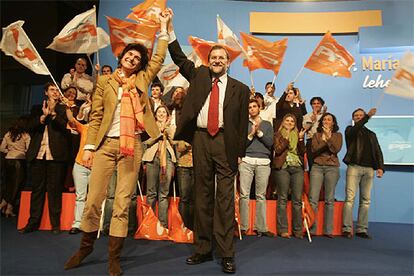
{"x": 214, "y": 120}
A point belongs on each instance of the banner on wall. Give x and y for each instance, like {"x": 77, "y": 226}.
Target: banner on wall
{"x": 123, "y": 33}
{"x": 402, "y": 83}
{"x": 202, "y": 48}
{"x": 263, "y": 54}
{"x": 16, "y": 43}
{"x": 330, "y": 58}
{"x": 80, "y": 35}
{"x": 148, "y": 10}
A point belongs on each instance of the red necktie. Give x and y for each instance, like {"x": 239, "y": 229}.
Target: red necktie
{"x": 213, "y": 110}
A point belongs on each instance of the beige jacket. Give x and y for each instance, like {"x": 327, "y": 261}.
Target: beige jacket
{"x": 105, "y": 99}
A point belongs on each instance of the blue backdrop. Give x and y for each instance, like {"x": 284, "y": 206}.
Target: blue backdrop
{"x": 392, "y": 196}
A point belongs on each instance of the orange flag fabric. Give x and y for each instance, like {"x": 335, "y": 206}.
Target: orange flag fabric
{"x": 307, "y": 212}
{"x": 150, "y": 228}
{"x": 147, "y": 10}
{"x": 237, "y": 209}
{"x": 178, "y": 232}
{"x": 202, "y": 48}
{"x": 330, "y": 58}
{"x": 123, "y": 32}
{"x": 402, "y": 83}
{"x": 263, "y": 54}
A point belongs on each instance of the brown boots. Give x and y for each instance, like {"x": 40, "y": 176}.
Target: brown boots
{"x": 114, "y": 252}
{"x": 86, "y": 248}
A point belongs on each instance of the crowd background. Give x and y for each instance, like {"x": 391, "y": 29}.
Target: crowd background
{"x": 21, "y": 88}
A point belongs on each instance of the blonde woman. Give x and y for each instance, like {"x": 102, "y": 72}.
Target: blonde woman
{"x": 289, "y": 150}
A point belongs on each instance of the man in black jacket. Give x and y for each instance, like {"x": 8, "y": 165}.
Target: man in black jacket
{"x": 48, "y": 155}
{"x": 363, "y": 156}
{"x": 214, "y": 120}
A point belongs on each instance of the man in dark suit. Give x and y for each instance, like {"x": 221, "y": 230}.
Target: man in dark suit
{"x": 48, "y": 154}
{"x": 214, "y": 119}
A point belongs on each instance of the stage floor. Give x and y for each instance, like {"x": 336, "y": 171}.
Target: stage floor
{"x": 390, "y": 252}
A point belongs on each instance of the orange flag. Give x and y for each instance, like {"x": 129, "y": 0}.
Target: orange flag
{"x": 123, "y": 32}
{"x": 148, "y": 10}
{"x": 307, "y": 212}
{"x": 237, "y": 209}
{"x": 262, "y": 53}
{"x": 178, "y": 231}
{"x": 150, "y": 228}
{"x": 202, "y": 48}
{"x": 330, "y": 58}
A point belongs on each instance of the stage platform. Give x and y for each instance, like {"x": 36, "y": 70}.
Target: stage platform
{"x": 68, "y": 205}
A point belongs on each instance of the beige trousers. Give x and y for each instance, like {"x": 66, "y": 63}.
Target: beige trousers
{"x": 106, "y": 159}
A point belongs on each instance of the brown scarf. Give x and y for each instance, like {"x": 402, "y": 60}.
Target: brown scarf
{"x": 132, "y": 114}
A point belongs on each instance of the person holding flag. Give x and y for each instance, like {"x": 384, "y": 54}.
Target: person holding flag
{"x": 116, "y": 122}
{"x": 214, "y": 120}
{"x": 79, "y": 79}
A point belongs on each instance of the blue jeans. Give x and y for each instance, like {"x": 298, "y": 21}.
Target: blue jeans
{"x": 290, "y": 177}
{"x": 81, "y": 179}
{"x": 247, "y": 173}
{"x": 159, "y": 187}
{"x": 364, "y": 178}
{"x": 185, "y": 181}
{"x": 327, "y": 176}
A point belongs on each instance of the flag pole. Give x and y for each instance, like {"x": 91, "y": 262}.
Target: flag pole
{"x": 251, "y": 78}
{"x": 140, "y": 191}
{"x": 41, "y": 60}
{"x": 273, "y": 81}
{"x": 300, "y": 71}
{"x": 379, "y": 101}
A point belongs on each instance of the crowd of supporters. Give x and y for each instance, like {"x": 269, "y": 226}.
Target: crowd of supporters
{"x": 283, "y": 141}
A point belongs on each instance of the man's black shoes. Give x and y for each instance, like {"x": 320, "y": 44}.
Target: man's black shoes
{"x": 228, "y": 265}
{"x": 363, "y": 235}
{"x": 199, "y": 258}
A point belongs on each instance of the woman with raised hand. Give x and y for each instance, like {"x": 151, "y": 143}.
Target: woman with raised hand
{"x": 119, "y": 116}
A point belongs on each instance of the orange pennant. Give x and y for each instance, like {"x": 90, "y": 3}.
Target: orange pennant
{"x": 123, "y": 33}
{"x": 202, "y": 48}
{"x": 178, "y": 231}
{"x": 262, "y": 53}
{"x": 237, "y": 209}
{"x": 150, "y": 228}
{"x": 330, "y": 58}
{"x": 307, "y": 212}
{"x": 148, "y": 10}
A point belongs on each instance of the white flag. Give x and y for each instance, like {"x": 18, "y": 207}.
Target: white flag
{"x": 226, "y": 36}
{"x": 79, "y": 36}
{"x": 103, "y": 38}
{"x": 17, "y": 44}
{"x": 402, "y": 83}
{"x": 170, "y": 76}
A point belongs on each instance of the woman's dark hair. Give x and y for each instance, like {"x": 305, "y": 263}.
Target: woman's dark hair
{"x": 141, "y": 49}
{"x": 335, "y": 127}
{"x": 162, "y": 106}
{"x": 18, "y": 128}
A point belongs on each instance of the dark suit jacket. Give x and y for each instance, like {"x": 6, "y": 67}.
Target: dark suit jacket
{"x": 236, "y": 102}
{"x": 58, "y": 134}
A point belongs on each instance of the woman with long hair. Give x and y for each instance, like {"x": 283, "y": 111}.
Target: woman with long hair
{"x": 14, "y": 144}
{"x": 289, "y": 150}
{"x": 326, "y": 143}
{"x": 159, "y": 159}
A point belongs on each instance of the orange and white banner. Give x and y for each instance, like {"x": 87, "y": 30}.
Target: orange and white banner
{"x": 80, "y": 35}
{"x": 202, "y": 48}
{"x": 170, "y": 76}
{"x": 226, "y": 36}
{"x": 17, "y": 44}
{"x": 123, "y": 33}
{"x": 150, "y": 228}
{"x": 263, "y": 54}
{"x": 402, "y": 83}
{"x": 148, "y": 10}
{"x": 178, "y": 232}
{"x": 330, "y": 58}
